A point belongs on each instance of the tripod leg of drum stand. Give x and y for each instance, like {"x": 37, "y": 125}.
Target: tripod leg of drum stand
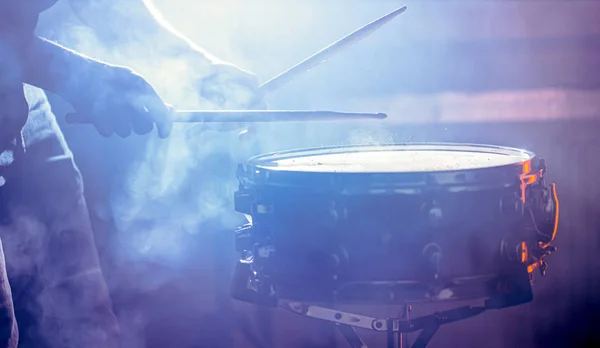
{"x": 424, "y": 337}
{"x": 391, "y": 337}
{"x": 351, "y": 336}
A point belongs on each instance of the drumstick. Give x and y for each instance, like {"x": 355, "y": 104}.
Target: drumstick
{"x": 254, "y": 116}
{"x": 327, "y": 52}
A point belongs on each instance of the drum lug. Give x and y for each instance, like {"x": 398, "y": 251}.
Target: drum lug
{"x": 511, "y": 206}
{"x": 513, "y": 250}
{"x": 543, "y": 207}
{"x": 433, "y": 213}
{"x": 243, "y": 201}
{"x": 542, "y": 168}
{"x": 433, "y": 257}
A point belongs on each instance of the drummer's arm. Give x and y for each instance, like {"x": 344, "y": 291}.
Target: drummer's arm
{"x": 119, "y": 23}
{"x": 137, "y": 30}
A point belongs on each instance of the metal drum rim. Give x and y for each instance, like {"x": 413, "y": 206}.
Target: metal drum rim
{"x": 260, "y": 160}
{"x": 258, "y": 175}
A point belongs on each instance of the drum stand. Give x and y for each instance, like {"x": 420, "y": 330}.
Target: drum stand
{"x": 395, "y": 328}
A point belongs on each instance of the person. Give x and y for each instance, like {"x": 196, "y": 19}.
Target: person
{"x": 9, "y": 333}
{"x": 60, "y": 296}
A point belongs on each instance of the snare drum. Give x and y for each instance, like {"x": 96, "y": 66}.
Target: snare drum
{"x": 393, "y": 224}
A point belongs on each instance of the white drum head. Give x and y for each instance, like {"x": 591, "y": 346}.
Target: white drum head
{"x": 398, "y": 159}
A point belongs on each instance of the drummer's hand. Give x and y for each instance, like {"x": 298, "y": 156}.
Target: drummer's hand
{"x": 120, "y": 101}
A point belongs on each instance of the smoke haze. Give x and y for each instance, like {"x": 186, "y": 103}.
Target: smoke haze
{"x": 173, "y": 195}
{"x": 174, "y": 187}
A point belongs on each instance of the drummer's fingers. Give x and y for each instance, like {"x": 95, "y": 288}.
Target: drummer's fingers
{"x": 154, "y": 109}
{"x": 161, "y": 114}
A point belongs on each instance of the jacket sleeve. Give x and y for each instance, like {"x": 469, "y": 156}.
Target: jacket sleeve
{"x": 9, "y": 334}
{"x": 18, "y": 20}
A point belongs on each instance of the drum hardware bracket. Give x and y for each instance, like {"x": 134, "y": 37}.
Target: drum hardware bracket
{"x": 543, "y": 210}
{"x": 393, "y": 327}
{"x": 351, "y": 336}
{"x": 537, "y": 261}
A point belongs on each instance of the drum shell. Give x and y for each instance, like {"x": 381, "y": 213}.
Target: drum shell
{"x": 316, "y": 233}
{"x": 384, "y": 235}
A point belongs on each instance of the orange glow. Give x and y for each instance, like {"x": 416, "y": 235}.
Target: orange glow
{"x": 557, "y": 205}
{"x": 527, "y": 178}
{"x": 527, "y": 167}
{"x": 524, "y": 252}
{"x": 530, "y": 179}
{"x": 555, "y": 195}
{"x": 525, "y": 181}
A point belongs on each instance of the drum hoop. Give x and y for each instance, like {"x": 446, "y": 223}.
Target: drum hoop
{"x": 390, "y": 182}
{"x": 261, "y": 159}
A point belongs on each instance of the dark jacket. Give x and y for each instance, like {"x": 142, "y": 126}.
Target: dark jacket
{"x": 18, "y": 19}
